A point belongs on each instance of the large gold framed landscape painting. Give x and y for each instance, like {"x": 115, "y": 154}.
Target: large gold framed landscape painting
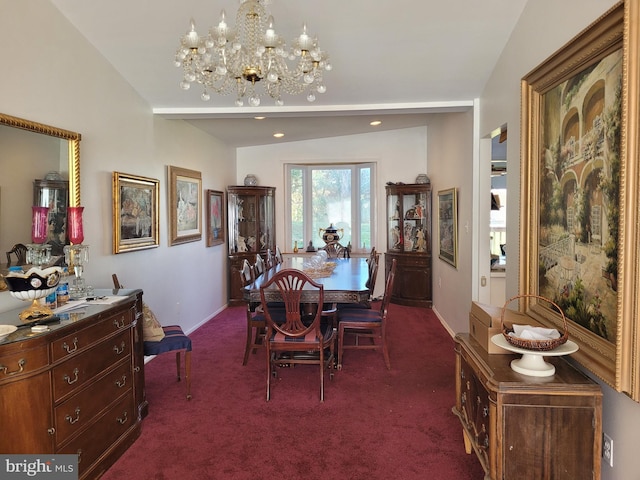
{"x": 579, "y": 218}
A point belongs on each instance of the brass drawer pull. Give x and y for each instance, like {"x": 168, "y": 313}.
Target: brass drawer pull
{"x": 121, "y": 383}
{"x": 67, "y": 378}
{"x": 69, "y": 349}
{"x": 119, "y": 323}
{"x": 21, "y": 363}
{"x": 122, "y": 420}
{"x": 71, "y": 420}
{"x": 119, "y": 350}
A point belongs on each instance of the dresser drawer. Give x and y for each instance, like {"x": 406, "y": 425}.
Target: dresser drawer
{"x": 22, "y": 362}
{"x": 108, "y": 428}
{"x": 72, "y": 374}
{"x": 78, "y": 411}
{"x": 82, "y": 339}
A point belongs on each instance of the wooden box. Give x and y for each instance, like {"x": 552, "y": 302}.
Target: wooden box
{"x": 484, "y": 323}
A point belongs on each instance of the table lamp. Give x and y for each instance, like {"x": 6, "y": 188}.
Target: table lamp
{"x": 76, "y": 255}
{"x": 38, "y": 251}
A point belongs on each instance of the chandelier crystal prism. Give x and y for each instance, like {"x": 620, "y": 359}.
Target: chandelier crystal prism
{"x": 251, "y": 60}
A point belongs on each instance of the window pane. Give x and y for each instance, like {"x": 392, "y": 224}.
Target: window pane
{"x": 297, "y": 208}
{"x": 331, "y": 200}
{"x": 365, "y": 207}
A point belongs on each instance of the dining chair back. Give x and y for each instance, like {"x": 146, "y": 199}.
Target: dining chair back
{"x": 367, "y": 324}
{"x": 298, "y": 336}
{"x": 255, "y": 316}
{"x": 174, "y": 340}
{"x": 278, "y": 255}
{"x": 260, "y": 265}
{"x": 270, "y": 260}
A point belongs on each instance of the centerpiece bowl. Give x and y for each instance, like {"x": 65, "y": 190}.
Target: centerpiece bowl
{"x": 33, "y": 285}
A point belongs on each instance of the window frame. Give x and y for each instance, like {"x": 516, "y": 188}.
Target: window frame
{"x": 356, "y": 213}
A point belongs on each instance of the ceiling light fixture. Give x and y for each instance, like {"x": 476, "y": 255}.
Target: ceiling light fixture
{"x": 251, "y": 55}
{"x": 375, "y": 123}
{"x": 278, "y": 135}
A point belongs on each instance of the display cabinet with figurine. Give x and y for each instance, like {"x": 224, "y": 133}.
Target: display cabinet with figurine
{"x": 252, "y": 229}
{"x": 409, "y": 242}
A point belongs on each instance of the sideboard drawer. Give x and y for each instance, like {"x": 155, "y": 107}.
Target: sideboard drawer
{"x": 22, "y": 362}
{"x": 108, "y": 428}
{"x": 80, "y": 369}
{"x": 78, "y": 411}
{"x": 82, "y": 339}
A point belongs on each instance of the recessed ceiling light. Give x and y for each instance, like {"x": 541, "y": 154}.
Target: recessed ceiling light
{"x": 278, "y": 135}
{"x": 375, "y": 123}
{"x": 259, "y": 118}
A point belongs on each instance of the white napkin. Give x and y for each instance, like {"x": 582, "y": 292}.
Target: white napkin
{"x": 528, "y": 332}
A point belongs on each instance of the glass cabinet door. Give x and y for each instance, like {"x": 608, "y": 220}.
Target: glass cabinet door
{"x": 409, "y": 221}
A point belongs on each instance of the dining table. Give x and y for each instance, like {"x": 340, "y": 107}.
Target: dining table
{"x": 347, "y": 283}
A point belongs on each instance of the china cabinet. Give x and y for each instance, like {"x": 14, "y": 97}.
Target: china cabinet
{"x": 252, "y": 228}
{"x": 77, "y": 388}
{"x": 409, "y": 242}
{"x": 522, "y": 426}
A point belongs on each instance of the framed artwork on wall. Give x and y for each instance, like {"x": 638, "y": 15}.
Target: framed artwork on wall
{"x": 448, "y": 226}
{"x": 579, "y": 232}
{"x": 185, "y": 205}
{"x": 135, "y": 212}
{"x": 215, "y": 217}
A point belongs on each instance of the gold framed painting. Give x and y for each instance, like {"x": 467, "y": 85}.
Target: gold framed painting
{"x": 215, "y": 217}
{"x": 448, "y": 226}
{"x": 578, "y": 226}
{"x": 185, "y": 205}
{"x": 135, "y": 212}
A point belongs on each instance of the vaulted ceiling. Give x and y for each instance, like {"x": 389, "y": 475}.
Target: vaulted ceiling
{"x": 394, "y": 60}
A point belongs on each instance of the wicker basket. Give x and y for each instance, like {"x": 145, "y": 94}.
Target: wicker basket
{"x": 537, "y": 345}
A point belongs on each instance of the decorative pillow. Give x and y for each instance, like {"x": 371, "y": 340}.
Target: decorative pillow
{"x": 151, "y": 329}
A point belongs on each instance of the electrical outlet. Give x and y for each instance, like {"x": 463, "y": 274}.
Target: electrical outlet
{"x": 607, "y": 449}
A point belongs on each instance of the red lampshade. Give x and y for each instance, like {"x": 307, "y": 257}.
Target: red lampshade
{"x": 74, "y": 225}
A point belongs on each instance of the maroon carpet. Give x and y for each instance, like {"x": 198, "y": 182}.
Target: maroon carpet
{"x": 373, "y": 424}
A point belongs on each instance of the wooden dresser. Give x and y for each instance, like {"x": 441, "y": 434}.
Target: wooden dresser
{"x": 77, "y": 389}
{"x": 524, "y": 427}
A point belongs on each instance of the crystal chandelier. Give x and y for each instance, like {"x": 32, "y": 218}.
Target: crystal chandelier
{"x": 251, "y": 60}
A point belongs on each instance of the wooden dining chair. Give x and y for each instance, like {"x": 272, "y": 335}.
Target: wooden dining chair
{"x": 298, "y": 338}
{"x": 368, "y": 324}
{"x": 260, "y": 266}
{"x": 270, "y": 260}
{"x": 255, "y": 316}
{"x": 278, "y": 256}
{"x": 174, "y": 340}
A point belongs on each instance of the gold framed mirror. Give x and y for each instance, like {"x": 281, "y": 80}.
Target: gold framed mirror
{"x": 21, "y": 169}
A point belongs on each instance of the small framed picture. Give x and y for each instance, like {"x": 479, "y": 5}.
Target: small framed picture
{"x": 185, "y": 205}
{"x": 215, "y": 217}
{"x": 448, "y": 225}
{"x": 135, "y": 212}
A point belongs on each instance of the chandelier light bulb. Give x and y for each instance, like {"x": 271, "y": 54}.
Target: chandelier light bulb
{"x": 254, "y": 101}
{"x": 272, "y": 77}
{"x": 205, "y": 96}
{"x": 311, "y": 97}
{"x": 321, "y": 88}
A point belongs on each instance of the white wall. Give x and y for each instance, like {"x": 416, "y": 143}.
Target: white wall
{"x": 544, "y": 27}
{"x": 53, "y": 76}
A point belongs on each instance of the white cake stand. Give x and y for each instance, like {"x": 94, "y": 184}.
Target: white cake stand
{"x": 532, "y": 362}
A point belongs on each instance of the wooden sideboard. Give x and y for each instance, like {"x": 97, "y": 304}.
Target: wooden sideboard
{"x": 524, "y": 427}
{"x": 78, "y": 388}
